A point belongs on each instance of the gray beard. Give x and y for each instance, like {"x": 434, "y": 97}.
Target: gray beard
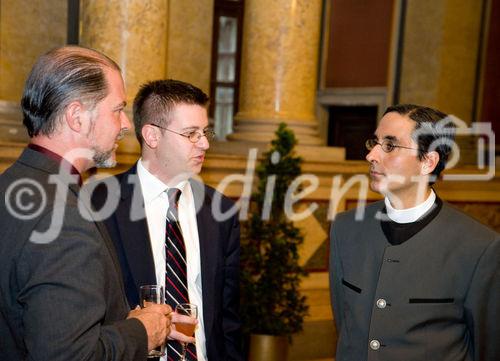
{"x": 103, "y": 159}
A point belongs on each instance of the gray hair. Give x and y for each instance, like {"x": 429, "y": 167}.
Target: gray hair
{"x": 58, "y": 78}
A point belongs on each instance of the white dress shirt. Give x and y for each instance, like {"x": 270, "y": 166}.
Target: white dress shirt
{"x": 156, "y": 206}
{"x": 409, "y": 215}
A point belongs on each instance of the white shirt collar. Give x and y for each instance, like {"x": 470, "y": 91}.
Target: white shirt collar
{"x": 155, "y": 206}
{"x": 152, "y": 187}
{"x": 409, "y": 215}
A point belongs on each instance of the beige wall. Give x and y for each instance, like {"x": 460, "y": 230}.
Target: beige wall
{"x": 28, "y": 28}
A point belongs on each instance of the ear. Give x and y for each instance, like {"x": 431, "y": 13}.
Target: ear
{"x": 150, "y": 135}
{"x": 73, "y": 116}
{"x": 430, "y": 162}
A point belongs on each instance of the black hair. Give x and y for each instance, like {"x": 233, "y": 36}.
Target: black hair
{"x": 434, "y": 131}
{"x": 155, "y": 101}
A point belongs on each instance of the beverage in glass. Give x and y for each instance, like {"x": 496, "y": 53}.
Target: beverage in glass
{"x": 150, "y": 294}
{"x": 191, "y": 310}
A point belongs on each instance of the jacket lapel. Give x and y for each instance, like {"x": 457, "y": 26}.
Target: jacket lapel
{"x": 104, "y": 233}
{"x": 207, "y": 234}
{"x": 109, "y": 245}
{"x": 38, "y": 160}
{"x": 133, "y": 230}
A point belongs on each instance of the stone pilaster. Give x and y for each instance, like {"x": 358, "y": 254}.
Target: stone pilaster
{"x": 279, "y": 70}
{"x": 132, "y": 32}
{"x": 441, "y": 45}
{"x": 189, "y": 42}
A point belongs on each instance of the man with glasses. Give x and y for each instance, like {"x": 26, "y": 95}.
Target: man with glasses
{"x": 415, "y": 279}
{"x": 164, "y": 229}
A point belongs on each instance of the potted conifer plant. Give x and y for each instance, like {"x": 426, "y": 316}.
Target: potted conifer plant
{"x": 272, "y": 307}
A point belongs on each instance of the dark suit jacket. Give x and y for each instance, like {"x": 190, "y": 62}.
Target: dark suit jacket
{"x": 219, "y": 253}
{"x": 434, "y": 297}
{"x": 61, "y": 298}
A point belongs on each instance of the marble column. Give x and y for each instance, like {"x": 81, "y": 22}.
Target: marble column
{"x": 279, "y": 70}
{"x": 441, "y": 47}
{"x": 28, "y": 29}
{"x": 131, "y": 32}
{"x": 190, "y": 41}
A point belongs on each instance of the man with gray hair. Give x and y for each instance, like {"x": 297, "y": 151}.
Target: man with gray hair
{"x": 61, "y": 292}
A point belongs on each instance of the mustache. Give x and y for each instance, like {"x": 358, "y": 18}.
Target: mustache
{"x": 122, "y": 133}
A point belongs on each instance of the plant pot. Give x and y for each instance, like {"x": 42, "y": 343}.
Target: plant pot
{"x": 268, "y": 348}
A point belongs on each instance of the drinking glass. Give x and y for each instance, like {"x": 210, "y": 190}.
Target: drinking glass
{"x": 191, "y": 310}
{"x": 150, "y": 294}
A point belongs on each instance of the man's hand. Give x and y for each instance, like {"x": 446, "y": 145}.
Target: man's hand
{"x": 176, "y": 335}
{"x": 156, "y": 319}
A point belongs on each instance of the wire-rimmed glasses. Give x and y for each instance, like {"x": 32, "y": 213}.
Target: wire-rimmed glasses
{"x": 194, "y": 136}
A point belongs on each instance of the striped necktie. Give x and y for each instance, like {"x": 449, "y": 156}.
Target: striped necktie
{"x": 176, "y": 286}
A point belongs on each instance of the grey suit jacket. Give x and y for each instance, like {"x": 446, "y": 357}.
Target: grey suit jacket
{"x": 434, "y": 297}
{"x": 61, "y": 296}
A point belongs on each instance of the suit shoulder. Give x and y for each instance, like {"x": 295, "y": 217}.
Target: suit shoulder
{"x": 19, "y": 178}
{"x": 19, "y": 170}
{"x": 367, "y": 212}
{"x": 465, "y": 225}
{"x": 101, "y": 189}
{"x": 212, "y": 192}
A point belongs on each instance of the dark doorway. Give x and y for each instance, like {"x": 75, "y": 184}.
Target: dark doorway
{"x": 73, "y": 22}
{"x": 350, "y": 127}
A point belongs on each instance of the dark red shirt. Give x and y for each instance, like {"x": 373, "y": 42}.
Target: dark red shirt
{"x": 57, "y": 158}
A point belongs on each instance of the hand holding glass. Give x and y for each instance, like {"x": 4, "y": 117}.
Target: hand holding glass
{"x": 191, "y": 310}
{"x": 150, "y": 294}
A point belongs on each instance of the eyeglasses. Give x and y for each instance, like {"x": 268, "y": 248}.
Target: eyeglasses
{"x": 194, "y": 136}
{"x": 387, "y": 145}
